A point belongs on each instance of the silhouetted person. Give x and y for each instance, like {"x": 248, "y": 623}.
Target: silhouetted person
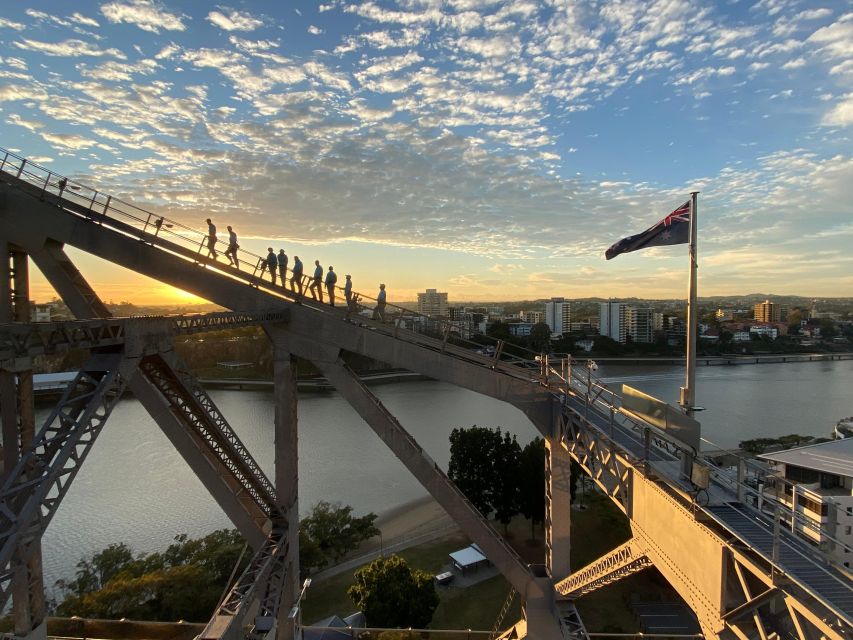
{"x": 331, "y": 280}
{"x": 231, "y": 251}
{"x": 271, "y": 263}
{"x": 282, "y": 267}
{"x": 317, "y": 282}
{"x": 211, "y": 239}
{"x": 296, "y": 278}
{"x": 348, "y": 290}
{"x": 379, "y": 310}
{"x": 63, "y": 182}
{"x": 158, "y": 224}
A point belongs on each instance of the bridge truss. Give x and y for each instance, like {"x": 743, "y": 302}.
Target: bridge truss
{"x": 741, "y": 573}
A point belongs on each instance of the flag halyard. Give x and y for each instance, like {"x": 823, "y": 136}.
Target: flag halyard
{"x": 673, "y": 229}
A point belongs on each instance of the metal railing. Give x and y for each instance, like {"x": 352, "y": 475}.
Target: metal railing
{"x": 191, "y": 243}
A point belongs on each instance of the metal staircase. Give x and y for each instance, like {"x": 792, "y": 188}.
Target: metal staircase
{"x": 627, "y": 559}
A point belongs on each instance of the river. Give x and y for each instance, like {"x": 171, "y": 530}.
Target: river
{"x": 135, "y": 488}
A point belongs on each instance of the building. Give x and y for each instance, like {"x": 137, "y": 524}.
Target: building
{"x": 40, "y": 312}
{"x": 757, "y": 331}
{"x": 639, "y": 324}
{"x": 432, "y": 303}
{"x": 533, "y": 317}
{"x": 816, "y": 481}
{"x": 611, "y": 320}
{"x": 558, "y": 316}
{"x": 769, "y": 312}
{"x": 520, "y": 329}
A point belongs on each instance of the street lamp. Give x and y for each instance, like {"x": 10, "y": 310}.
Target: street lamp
{"x": 296, "y": 612}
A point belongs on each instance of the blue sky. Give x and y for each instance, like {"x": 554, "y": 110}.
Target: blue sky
{"x": 491, "y": 149}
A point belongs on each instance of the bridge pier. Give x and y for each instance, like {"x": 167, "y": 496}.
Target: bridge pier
{"x": 287, "y": 478}
{"x": 17, "y": 416}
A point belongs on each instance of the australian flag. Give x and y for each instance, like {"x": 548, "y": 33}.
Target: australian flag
{"x": 674, "y": 229}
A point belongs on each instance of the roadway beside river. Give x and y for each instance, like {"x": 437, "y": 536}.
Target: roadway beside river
{"x": 715, "y": 361}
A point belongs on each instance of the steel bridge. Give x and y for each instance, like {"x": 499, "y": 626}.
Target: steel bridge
{"x": 728, "y": 556}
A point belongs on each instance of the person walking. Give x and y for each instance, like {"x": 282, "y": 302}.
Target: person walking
{"x": 211, "y": 239}
{"x": 231, "y": 251}
{"x": 271, "y": 264}
{"x": 282, "y": 267}
{"x": 296, "y": 277}
{"x": 379, "y": 310}
{"x": 348, "y": 290}
{"x": 331, "y": 280}
{"x": 317, "y": 282}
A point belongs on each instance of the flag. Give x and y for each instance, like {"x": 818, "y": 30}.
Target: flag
{"x": 674, "y": 229}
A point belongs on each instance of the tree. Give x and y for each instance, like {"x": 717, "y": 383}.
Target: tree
{"x": 391, "y": 594}
{"x": 310, "y": 555}
{"x": 505, "y": 498}
{"x": 532, "y": 482}
{"x": 540, "y": 337}
{"x": 335, "y": 530}
{"x": 575, "y": 474}
{"x": 472, "y": 455}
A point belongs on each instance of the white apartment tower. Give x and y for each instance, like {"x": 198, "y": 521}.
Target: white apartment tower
{"x": 639, "y": 324}
{"x": 432, "y": 303}
{"x": 558, "y": 316}
{"x": 611, "y": 320}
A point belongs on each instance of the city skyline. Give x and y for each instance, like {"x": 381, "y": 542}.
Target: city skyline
{"x": 492, "y": 150}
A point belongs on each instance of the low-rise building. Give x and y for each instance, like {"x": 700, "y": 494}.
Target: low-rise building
{"x": 816, "y": 482}
{"x": 533, "y": 317}
{"x": 520, "y": 329}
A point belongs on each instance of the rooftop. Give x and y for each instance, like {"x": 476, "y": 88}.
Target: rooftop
{"x": 835, "y": 456}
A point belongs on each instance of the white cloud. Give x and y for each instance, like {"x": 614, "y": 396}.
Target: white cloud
{"x": 234, "y": 21}
{"x": 11, "y": 24}
{"x": 85, "y": 20}
{"x": 841, "y": 115}
{"x": 315, "y": 31}
{"x": 145, "y": 14}
{"x": 68, "y": 48}
{"x": 68, "y": 140}
{"x": 796, "y": 63}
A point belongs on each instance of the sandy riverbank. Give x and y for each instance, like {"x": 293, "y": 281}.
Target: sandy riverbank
{"x": 413, "y": 519}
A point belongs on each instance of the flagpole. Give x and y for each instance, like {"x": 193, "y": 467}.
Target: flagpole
{"x": 688, "y": 392}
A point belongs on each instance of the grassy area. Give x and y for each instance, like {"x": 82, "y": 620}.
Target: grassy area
{"x": 595, "y": 531}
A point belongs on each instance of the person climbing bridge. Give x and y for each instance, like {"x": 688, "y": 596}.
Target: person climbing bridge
{"x": 317, "y": 282}
{"x": 211, "y": 239}
{"x": 331, "y": 280}
{"x": 231, "y": 251}
{"x": 296, "y": 278}
{"x": 379, "y": 310}
{"x": 282, "y": 267}
{"x": 271, "y": 264}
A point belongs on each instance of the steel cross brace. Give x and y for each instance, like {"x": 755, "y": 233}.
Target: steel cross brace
{"x": 267, "y": 568}
{"x": 196, "y": 410}
{"x": 626, "y": 559}
{"x": 34, "y": 489}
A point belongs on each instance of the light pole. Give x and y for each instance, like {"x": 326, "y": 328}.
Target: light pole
{"x": 296, "y": 612}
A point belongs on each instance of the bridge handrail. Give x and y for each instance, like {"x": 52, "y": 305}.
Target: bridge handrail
{"x": 100, "y": 208}
{"x": 817, "y": 559}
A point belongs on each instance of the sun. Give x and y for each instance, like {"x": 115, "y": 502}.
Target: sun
{"x": 179, "y": 296}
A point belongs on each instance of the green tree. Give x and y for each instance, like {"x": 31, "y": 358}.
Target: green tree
{"x": 575, "y": 473}
{"x": 310, "y": 554}
{"x": 506, "y": 497}
{"x": 335, "y": 530}
{"x": 93, "y": 574}
{"x": 393, "y": 595}
{"x": 472, "y": 455}
{"x": 532, "y": 482}
{"x": 540, "y": 337}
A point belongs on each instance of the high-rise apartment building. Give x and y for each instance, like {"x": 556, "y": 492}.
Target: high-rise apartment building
{"x": 618, "y": 320}
{"x": 533, "y": 317}
{"x": 611, "y": 320}
{"x": 639, "y": 324}
{"x": 558, "y": 316}
{"x": 769, "y": 312}
{"x": 432, "y": 303}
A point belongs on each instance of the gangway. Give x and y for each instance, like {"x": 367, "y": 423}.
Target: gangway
{"x": 715, "y": 554}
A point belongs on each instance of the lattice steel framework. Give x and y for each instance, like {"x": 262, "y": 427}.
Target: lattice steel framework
{"x": 198, "y": 411}
{"x": 34, "y": 489}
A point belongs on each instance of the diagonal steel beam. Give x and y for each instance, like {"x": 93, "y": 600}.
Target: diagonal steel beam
{"x": 69, "y": 283}
{"x": 626, "y": 559}
{"x": 204, "y": 439}
{"x": 416, "y": 460}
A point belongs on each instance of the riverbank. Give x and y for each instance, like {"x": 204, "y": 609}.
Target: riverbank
{"x": 716, "y": 361}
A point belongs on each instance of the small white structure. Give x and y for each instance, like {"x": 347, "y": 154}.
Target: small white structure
{"x": 468, "y": 560}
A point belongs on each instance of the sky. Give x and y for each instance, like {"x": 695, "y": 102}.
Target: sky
{"x": 490, "y": 149}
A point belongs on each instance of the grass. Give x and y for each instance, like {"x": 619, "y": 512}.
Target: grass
{"x": 595, "y": 531}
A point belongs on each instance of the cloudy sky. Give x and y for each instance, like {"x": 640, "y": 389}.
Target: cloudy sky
{"x": 490, "y": 149}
